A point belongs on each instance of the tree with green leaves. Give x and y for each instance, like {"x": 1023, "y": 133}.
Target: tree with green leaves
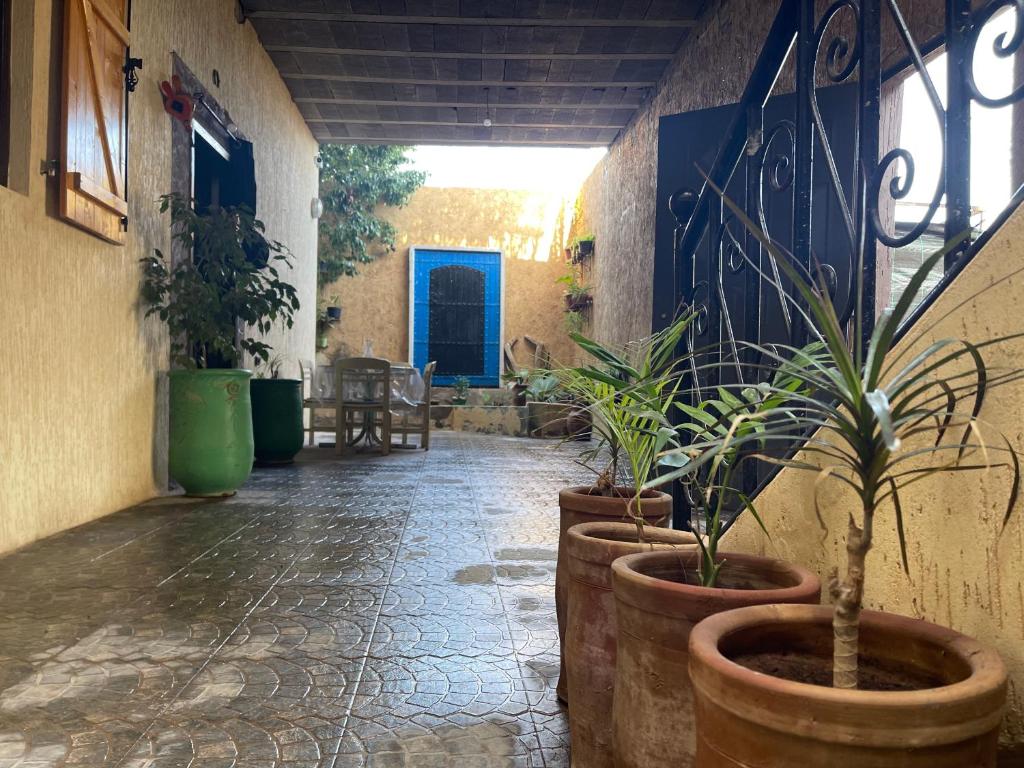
{"x": 355, "y": 181}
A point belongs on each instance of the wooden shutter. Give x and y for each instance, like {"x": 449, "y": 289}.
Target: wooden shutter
{"x": 94, "y": 137}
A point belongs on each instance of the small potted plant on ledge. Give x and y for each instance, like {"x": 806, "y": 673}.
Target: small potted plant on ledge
{"x": 460, "y": 393}
{"x": 216, "y": 304}
{"x": 276, "y": 414}
{"x": 583, "y": 247}
{"x": 577, "y": 295}
{"x": 840, "y": 685}
{"x": 327, "y": 315}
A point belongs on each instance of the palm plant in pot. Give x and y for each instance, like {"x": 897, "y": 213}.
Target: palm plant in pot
{"x": 840, "y": 685}
{"x": 217, "y": 305}
{"x": 629, "y": 393}
{"x": 660, "y": 597}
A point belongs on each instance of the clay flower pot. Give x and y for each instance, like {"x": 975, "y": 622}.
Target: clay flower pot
{"x": 756, "y": 720}
{"x": 590, "y": 631}
{"x": 582, "y": 505}
{"x": 658, "y": 601}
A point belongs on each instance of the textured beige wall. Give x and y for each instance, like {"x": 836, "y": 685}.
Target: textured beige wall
{"x": 963, "y": 574}
{"x": 81, "y": 404}
{"x": 527, "y": 227}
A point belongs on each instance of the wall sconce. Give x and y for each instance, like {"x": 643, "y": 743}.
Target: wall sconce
{"x": 316, "y": 208}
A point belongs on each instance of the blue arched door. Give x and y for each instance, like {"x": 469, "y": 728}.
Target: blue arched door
{"x": 456, "y": 314}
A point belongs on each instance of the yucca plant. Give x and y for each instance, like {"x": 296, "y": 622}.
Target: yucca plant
{"x": 630, "y": 391}
{"x": 878, "y": 422}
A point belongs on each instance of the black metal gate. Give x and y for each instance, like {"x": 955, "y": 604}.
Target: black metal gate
{"x": 808, "y": 169}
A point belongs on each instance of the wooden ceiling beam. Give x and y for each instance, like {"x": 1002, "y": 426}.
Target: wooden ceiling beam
{"x": 474, "y": 83}
{"x": 372, "y": 52}
{"x": 461, "y": 142}
{"x": 471, "y": 21}
{"x": 631, "y": 105}
{"x": 354, "y": 121}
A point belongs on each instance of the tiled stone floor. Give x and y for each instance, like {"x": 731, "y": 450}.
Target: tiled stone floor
{"x": 375, "y": 612}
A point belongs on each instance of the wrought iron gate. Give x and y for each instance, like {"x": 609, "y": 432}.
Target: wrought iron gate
{"x": 825, "y": 199}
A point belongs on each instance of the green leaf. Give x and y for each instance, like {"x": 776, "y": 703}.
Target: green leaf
{"x": 900, "y": 532}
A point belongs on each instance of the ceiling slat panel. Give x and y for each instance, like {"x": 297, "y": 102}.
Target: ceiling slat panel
{"x": 544, "y": 72}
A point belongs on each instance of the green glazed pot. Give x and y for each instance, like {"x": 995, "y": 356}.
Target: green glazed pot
{"x": 211, "y": 449}
{"x": 277, "y": 419}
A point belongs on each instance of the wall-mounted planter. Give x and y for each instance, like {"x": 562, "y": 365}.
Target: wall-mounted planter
{"x": 585, "y": 249}
{"x": 334, "y": 314}
{"x": 577, "y": 303}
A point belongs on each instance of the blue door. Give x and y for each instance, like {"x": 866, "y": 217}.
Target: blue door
{"x": 456, "y": 316}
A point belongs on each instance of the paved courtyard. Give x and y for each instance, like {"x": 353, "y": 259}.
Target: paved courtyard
{"x": 375, "y": 612}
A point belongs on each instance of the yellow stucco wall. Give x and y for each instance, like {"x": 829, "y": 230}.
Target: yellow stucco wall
{"x": 81, "y": 399}
{"x": 963, "y": 573}
{"x": 529, "y": 228}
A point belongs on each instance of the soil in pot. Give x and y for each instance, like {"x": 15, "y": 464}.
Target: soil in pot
{"x": 931, "y": 697}
{"x": 590, "y": 634}
{"x": 658, "y": 601}
{"x": 583, "y": 504}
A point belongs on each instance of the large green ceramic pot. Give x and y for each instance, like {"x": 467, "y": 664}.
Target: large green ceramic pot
{"x": 277, "y": 419}
{"x": 211, "y": 430}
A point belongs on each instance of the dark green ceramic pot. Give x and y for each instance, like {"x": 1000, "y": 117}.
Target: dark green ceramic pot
{"x": 211, "y": 449}
{"x": 277, "y": 419}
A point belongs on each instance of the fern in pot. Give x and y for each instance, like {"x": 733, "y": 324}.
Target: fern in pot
{"x": 218, "y": 304}
{"x": 839, "y": 685}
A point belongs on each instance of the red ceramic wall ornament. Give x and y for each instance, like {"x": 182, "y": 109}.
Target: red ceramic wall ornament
{"x": 177, "y": 102}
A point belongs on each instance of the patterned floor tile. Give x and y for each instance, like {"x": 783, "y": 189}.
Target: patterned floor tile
{"x": 371, "y": 612}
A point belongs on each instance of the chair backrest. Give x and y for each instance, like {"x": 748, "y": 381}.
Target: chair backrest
{"x": 428, "y": 375}
{"x": 363, "y": 380}
{"x": 306, "y": 374}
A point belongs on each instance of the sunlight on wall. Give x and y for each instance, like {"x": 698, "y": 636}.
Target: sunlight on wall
{"x": 559, "y": 170}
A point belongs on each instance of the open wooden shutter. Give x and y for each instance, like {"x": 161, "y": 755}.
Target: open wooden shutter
{"x": 94, "y": 137}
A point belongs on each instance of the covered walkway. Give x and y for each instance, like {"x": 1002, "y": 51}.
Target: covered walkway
{"x": 372, "y": 612}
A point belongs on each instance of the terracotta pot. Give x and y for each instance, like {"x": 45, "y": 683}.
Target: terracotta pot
{"x": 658, "y": 603}
{"x": 590, "y": 628}
{"x": 756, "y": 720}
{"x": 582, "y": 505}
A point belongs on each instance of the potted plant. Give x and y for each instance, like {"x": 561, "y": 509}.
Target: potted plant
{"x": 629, "y": 392}
{"x": 519, "y": 383}
{"x": 333, "y": 310}
{"x": 612, "y": 497}
{"x": 577, "y": 295}
{"x": 856, "y": 687}
{"x": 658, "y": 600}
{"x": 583, "y": 247}
{"x": 276, "y": 414}
{"x": 216, "y": 304}
{"x": 548, "y": 409}
{"x": 461, "y": 390}
{"x": 327, "y": 315}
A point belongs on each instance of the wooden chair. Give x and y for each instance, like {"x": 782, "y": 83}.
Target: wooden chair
{"x": 311, "y": 398}
{"x": 362, "y": 389}
{"x": 416, "y": 420}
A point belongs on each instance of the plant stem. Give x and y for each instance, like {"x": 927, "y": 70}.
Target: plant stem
{"x": 849, "y": 596}
{"x": 636, "y": 511}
